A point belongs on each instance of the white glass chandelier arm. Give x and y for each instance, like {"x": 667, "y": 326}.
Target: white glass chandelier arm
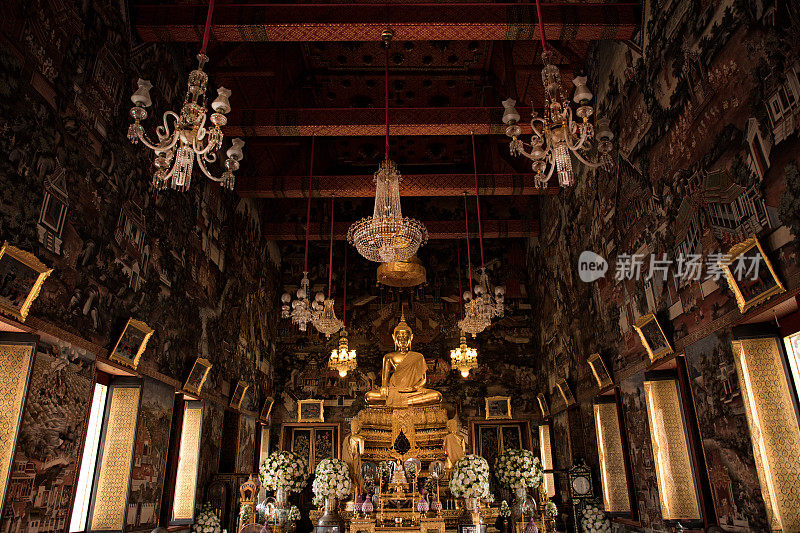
{"x": 205, "y": 170}
{"x": 162, "y": 132}
{"x": 536, "y": 130}
{"x": 165, "y": 141}
{"x": 552, "y": 164}
{"x": 575, "y": 151}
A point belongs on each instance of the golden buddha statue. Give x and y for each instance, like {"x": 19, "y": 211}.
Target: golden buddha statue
{"x": 454, "y": 445}
{"x": 352, "y": 449}
{"x": 403, "y": 376}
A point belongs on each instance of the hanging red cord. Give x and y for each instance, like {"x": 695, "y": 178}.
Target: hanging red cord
{"x": 477, "y": 197}
{"x": 386, "y": 94}
{"x": 330, "y": 259}
{"x": 458, "y": 266}
{"x": 541, "y": 25}
{"x": 207, "y": 31}
{"x": 308, "y": 209}
{"x": 344, "y": 296}
{"x": 466, "y": 234}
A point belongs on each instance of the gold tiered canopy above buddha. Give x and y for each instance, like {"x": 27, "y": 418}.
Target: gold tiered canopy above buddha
{"x": 403, "y": 375}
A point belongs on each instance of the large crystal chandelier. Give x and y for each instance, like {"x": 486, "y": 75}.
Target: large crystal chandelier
{"x": 301, "y": 310}
{"x": 326, "y": 322}
{"x": 343, "y": 359}
{"x": 464, "y": 358}
{"x": 387, "y": 236}
{"x": 189, "y": 140}
{"x": 482, "y": 304}
{"x": 556, "y": 134}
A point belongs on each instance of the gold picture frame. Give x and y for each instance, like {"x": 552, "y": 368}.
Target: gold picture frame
{"x": 745, "y": 290}
{"x": 238, "y": 394}
{"x": 653, "y": 338}
{"x": 266, "y": 410}
{"x": 543, "y": 407}
{"x": 21, "y": 278}
{"x": 131, "y": 343}
{"x": 197, "y": 377}
{"x": 566, "y": 392}
{"x": 310, "y": 410}
{"x": 600, "y": 371}
{"x": 498, "y": 407}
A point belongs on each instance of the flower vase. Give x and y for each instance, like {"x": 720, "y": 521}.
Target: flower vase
{"x": 358, "y": 504}
{"x": 436, "y": 504}
{"x": 423, "y": 506}
{"x": 367, "y": 507}
{"x": 281, "y": 506}
{"x": 471, "y": 519}
{"x": 330, "y": 521}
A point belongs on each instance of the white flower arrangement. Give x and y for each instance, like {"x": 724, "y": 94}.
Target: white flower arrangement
{"x": 207, "y": 521}
{"x": 246, "y": 514}
{"x": 283, "y": 470}
{"x": 516, "y": 469}
{"x": 332, "y": 478}
{"x": 470, "y": 477}
{"x": 594, "y": 520}
{"x": 550, "y": 509}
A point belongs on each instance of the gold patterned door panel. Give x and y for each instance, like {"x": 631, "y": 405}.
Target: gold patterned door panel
{"x": 188, "y": 458}
{"x": 313, "y": 443}
{"x": 612, "y": 458}
{"x": 16, "y": 358}
{"x": 774, "y": 429}
{"x": 115, "y": 457}
{"x": 677, "y": 490}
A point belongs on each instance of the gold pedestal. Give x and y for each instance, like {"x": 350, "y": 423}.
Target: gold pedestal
{"x": 424, "y": 427}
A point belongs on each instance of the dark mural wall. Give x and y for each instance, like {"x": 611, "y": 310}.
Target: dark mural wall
{"x": 76, "y": 193}
{"x": 693, "y": 101}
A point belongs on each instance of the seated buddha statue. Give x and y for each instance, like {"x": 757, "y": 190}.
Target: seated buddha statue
{"x": 403, "y": 375}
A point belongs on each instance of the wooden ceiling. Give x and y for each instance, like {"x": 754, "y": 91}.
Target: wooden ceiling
{"x": 317, "y": 69}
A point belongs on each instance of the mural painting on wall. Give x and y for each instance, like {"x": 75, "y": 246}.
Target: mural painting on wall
{"x": 210, "y": 445}
{"x": 246, "y": 445}
{"x": 640, "y": 451}
{"x": 723, "y": 428}
{"x": 77, "y": 194}
{"x": 45, "y": 465}
{"x": 150, "y": 454}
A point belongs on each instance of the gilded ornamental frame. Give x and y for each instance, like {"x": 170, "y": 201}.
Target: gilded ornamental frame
{"x": 653, "y": 338}
{"x": 498, "y": 408}
{"x": 745, "y": 290}
{"x": 131, "y": 343}
{"x": 310, "y": 410}
{"x": 21, "y": 278}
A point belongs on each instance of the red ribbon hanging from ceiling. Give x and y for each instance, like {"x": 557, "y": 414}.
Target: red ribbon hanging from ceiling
{"x": 458, "y": 266}
{"x": 344, "y": 295}
{"x": 330, "y": 259}
{"x": 207, "y": 31}
{"x": 308, "y": 208}
{"x": 477, "y": 197}
{"x": 466, "y": 234}
{"x": 541, "y": 25}
{"x": 386, "y": 95}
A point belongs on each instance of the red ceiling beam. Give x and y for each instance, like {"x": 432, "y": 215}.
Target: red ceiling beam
{"x": 335, "y": 122}
{"x": 363, "y": 186}
{"x": 437, "y": 230}
{"x": 237, "y": 22}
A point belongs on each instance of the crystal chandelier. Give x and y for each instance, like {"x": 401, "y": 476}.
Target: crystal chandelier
{"x": 343, "y": 360}
{"x": 464, "y": 358}
{"x": 387, "y": 236}
{"x": 326, "y": 321}
{"x": 556, "y": 134}
{"x": 189, "y": 140}
{"x": 482, "y": 305}
{"x": 301, "y": 310}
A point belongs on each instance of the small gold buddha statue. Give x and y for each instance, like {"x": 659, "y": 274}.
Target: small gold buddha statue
{"x": 403, "y": 376}
{"x": 454, "y": 445}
